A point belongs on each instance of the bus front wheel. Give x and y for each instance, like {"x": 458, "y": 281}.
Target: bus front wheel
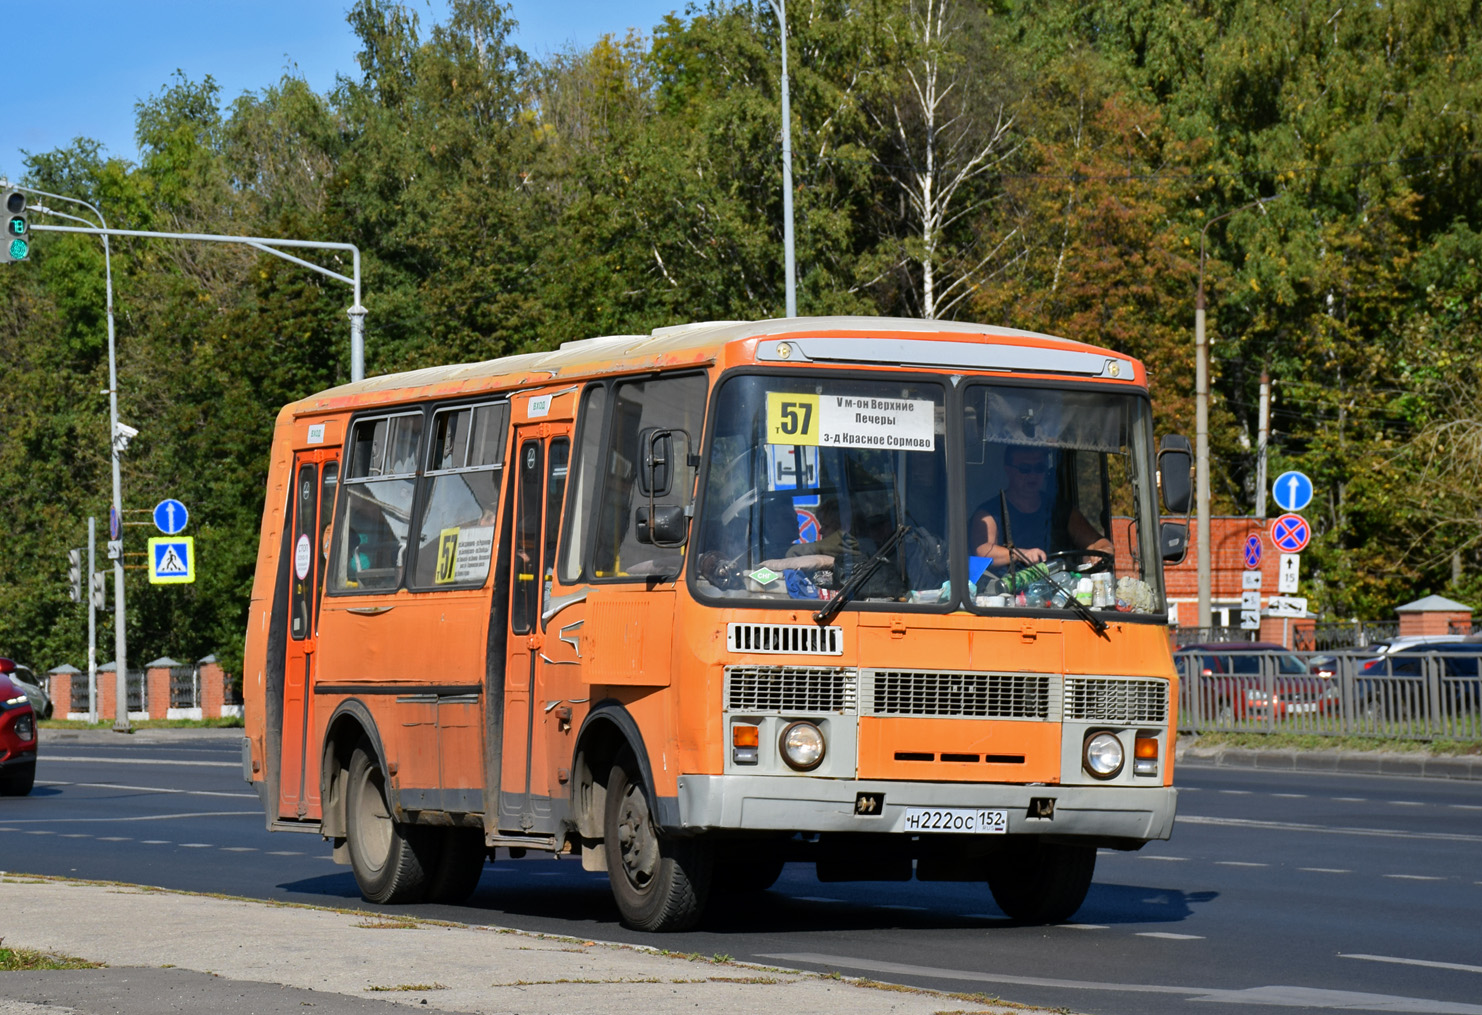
{"x": 659, "y": 884}
{"x": 1041, "y": 882}
{"x": 386, "y": 855}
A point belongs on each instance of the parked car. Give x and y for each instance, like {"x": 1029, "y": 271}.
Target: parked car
{"x": 1228, "y": 681}
{"x": 17, "y": 740}
{"x": 1395, "y": 685}
{"x": 22, "y": 675}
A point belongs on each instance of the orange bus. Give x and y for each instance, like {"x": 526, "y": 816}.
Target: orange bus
{"x": 884, "y": 596}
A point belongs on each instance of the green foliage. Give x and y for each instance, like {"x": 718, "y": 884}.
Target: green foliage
{"x": 503, "y": 204}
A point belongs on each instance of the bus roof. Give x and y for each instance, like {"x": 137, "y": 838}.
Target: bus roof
{"x": 815, "y": 339}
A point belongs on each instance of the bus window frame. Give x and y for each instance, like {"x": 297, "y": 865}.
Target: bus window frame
{"x": 426, "y": 477}
{"x": 586, "y": 574}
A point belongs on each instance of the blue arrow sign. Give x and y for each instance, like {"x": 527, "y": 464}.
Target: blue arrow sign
{"x": 170, "y": 516}
{"x": 1292, "y": 491}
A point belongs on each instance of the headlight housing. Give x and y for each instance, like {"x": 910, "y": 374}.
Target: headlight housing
{"x": 802, "y": 746}
{"x": 1103, "y": 755}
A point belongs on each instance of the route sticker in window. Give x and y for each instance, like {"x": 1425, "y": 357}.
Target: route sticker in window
{"x": 849, "y": 421}
{"x": 463, "y": 554}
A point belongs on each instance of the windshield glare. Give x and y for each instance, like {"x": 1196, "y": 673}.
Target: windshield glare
{"x": 809, "y": 477}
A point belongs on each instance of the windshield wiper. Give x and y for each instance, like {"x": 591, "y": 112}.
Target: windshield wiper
{"x": 859, "y": 577}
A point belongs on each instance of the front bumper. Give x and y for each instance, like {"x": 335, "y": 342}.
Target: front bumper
{"x": 782, "y": 803}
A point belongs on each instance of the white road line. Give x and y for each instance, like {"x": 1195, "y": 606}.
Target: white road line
{"x": 1273, "y": 995}
{"x": 1428, "y": 963}
{"x": 148, "y": 789}
{"x": 284, "y": 852}
{"x": 815, "y": 898}
{"x": 1325, "y": 870}
{"x": 1169, "y": 936}
{"x": 155, "y": 842}
{"x": 1413, "y": 877}
{"x": 1298, "y": 826}
{"x": 1237, "y": 792}
{"x": 197, "y": 845}
{"x": 1352, "y": 799}
{"x": 1465, "y": 807}
{"x": 1405, "y": 803}
{"x": 1172, "y": 859}
{"x": 239, "y": 849}
{"x": 1284, "y": 796}
{"x": 1239, "y": 863}
{"x": 1085, "y": 926}
{"x": 114, "y": 838}
{"x": 135, "y": 817}
{"x": 173, "y": 762}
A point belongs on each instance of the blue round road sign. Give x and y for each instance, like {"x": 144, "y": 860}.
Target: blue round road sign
{"x": 1292, "y": 491}
{"x": 1290, "y": 533}
{"x": 170, "y": 516}
{"x": 1253, "y": 550}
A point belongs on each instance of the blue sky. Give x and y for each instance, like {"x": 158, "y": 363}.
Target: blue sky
{"x": 88, "y": 62}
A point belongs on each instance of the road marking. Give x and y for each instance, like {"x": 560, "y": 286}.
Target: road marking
{"x": 285, "y": 852}
{"x": 143, "y": 761}
{"x": 1291, "y": 796}
{"x": 815, "y": 898}
{"x": 1466, "y": 807}
{"x": 1297, "y": 826}
{"x": 1325, "y": 870}
{"x": 1405, "y": 803}
{"x": 1239, "y": 863}
{"x": 1428, "y": 963}
{"x": 1275, "y": 995}
{"x": 1085, "y": 926}
{"x": 1413, "y": 877}
{"x": 136, "y": 817}
{"x": 39, "y": 831}
{"x": 197, "y": 845}
{"x": 76, "y": 835}
{"x": 114, "y": 838}
{"x": 156, "y": 842}
{"x": 1237, "y": 792}
{"x": 1173, "y": 859}
{"x": 1352, "y": 799}
{"x": 1169, "y": 936}
{"x": 149, "y": 789}
{"x": 239, "y": 849}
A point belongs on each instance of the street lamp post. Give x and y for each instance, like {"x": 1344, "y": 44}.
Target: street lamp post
{"x": 1201, "y": 418}
{"x": 780, "y": 7}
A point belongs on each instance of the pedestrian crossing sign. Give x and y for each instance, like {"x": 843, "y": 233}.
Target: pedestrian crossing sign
{"x": 172, "y": 560}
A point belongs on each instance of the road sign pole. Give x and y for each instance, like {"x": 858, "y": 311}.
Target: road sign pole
{"x": 92, "y": 622}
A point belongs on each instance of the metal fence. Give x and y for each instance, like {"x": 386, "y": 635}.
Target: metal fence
{"x": 1413, "y": 696}
{"x": 185, "y": 687}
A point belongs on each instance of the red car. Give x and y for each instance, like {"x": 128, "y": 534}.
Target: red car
{"x": 1234, "y": 681}
{"x": 17, "y": 740}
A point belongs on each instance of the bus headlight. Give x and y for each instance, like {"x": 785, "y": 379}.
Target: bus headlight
{"x": 802, "y": 746}
{"x": 1103, "y": 755}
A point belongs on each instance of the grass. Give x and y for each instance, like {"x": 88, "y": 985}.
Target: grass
{"x": 17, "y": 960}
{"x": 1318, "y": 742}
{"x": 218, "y": 722}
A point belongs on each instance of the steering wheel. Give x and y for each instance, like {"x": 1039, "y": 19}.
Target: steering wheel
{"x": 1105, "y": 561}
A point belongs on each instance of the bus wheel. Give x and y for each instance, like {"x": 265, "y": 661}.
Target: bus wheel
{"x": 1041, "y": 882}
{"x": 386, "y": 855}
{"x": 659, "y": 884}
{"x": 459, "y": 864}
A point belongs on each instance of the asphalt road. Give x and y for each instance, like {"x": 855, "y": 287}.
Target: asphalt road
{"x": 1277, "y": 890}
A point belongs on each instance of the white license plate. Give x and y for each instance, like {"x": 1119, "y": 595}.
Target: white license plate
{"x": 1310, "y": 706}
{"x": 956, "y": 819}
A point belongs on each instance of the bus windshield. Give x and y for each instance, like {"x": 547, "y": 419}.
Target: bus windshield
{"x": 809, "y": 477}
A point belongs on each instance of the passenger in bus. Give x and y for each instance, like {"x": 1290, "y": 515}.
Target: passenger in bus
{"x": 1031, "y": 522}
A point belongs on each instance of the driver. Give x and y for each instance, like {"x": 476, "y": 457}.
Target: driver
{"x": 1030, "y": 514}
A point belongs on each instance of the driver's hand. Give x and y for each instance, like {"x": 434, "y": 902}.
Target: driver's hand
{"x": 1033, "y": 555}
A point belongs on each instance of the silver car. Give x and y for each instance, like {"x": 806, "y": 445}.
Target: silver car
{"x": 24, "y": 679}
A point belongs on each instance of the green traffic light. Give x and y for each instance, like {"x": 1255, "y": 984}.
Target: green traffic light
{"x": 17, "y": 226}
{"x": 19, "y": 249}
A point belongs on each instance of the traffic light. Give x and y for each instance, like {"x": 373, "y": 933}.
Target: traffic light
{"x": 99, "y": 593}
{"x": 74, "y": 574}
{"x": 16, "y": 246}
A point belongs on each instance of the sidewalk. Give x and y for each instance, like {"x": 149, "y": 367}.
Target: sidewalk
{"x": 1415, "y": 764}
{"x": 174, "y": 952}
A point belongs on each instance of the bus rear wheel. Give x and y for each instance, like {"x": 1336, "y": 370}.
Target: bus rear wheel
{"x": 459, "y": 864}
{"x": 659, "y": 884}
{"x": 1041, "y": 882}
{"x": 389, "y": 857}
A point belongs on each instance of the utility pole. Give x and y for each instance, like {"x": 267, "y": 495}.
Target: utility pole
{"x": 789, "y": 265}
{"x": 93, "y": 605}
{"x": 1262, "y": 437}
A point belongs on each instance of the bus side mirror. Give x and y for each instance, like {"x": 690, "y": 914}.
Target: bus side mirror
{"x": 1176, "y": 474}
{"x": 1173, "y": 541}
{"x": 656, "y": 476}
{"x": 662, "y": 525}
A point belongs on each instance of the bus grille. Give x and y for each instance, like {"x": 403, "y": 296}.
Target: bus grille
{"x": 1116, "y": 700}
{"x": 790, "y": 639}
{"x": 790, "y": 689}
{"x": 970, "y": 695}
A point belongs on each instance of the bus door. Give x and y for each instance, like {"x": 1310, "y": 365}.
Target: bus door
{"x": 316, "y": 474}
{"x": 542, "y": 453}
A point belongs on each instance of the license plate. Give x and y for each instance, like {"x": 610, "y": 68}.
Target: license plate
{"x": 1310, "y": 706}
{"x": 972, "y": 820}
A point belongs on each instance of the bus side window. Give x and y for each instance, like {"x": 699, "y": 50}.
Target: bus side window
{"x": 585, "y": 480}
{"x": 672, "y": 403}
{"x": 465, "y": 460}
{"x": 371, "y": 534}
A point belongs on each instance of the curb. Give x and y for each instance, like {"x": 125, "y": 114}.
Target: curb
{"x": 1409, "y": 765}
